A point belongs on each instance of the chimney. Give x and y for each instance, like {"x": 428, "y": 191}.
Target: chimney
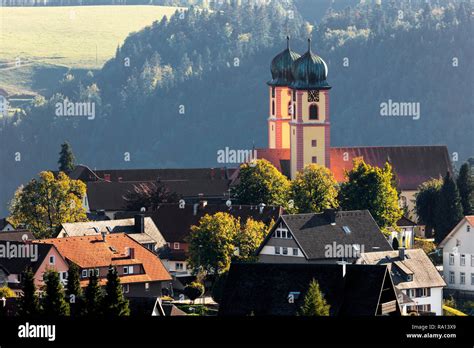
{"x": 330, "y": 215}
{"x": 195, "y": 208}
{"x": 401, "y": 253}
{"x": 343, "y": 264}
{"x": 213, "y": 173}
{"x": 261, "y": 206}
{"x": 104, "y": 235}
{"x": 139, "y": 223}
{"x": 222, "y": 173}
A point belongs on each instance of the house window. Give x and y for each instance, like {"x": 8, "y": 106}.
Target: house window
{"x": 423, "y": 292}
{"x": 84, "y": 273}
{"x": 451, "y": 277}
{"x": 313, "y": 112}
{"x": 295, "y": 252}
{"x": 314, "y": 159}
{"x": 314, "y": 143}
{"x": 462, "y": 278}
{"x": 128, "y": 270}
{"x": 277, "y": 250}
{"x": 451, "y": 259}
{"x": 472, "y": 278}
{"x": 176, "y": 246}
{"x": 285, "y": 251}
{"x": 147, "y": 286}
{"x": 179, "y": 266}
{"x": 51, "y": 260}
{"x": 463, "y": 260}
{"x": 126, "y": 288}
{"x": 468, "y": 228}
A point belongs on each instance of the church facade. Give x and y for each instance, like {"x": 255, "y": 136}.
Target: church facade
{"x": 299, "y": 130}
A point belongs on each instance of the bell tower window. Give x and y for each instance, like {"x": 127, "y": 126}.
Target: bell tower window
{"x": 313, "y": 112}
{"x": 273, "y": 108}
{"x": 273, "y": 92}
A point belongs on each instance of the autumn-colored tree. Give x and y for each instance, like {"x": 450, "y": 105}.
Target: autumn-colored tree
{"x": 47, "y": 202}
{"x": 249, "y": 238}
{"x": 261, "y": 182}
{"x": 211, "y": 243}
{"x": 369, "y": 187}
{"x": 314, "y": 189}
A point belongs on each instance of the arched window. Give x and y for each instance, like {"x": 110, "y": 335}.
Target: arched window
{"x": 313, "y": 112}
{"x": 273, "y": 108}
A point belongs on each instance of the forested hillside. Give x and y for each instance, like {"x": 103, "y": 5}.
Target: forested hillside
{"x": 185, "y": 87}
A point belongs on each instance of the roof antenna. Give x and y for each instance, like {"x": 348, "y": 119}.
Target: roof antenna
{"x": 288, "y": 42}
{"x": 309, "y": 44}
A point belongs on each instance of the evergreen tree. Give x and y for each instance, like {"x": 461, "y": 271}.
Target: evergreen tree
{"x": 54, "y": 302}
{"x": 448, "y": 208}
{"x": 114, "y": 304}
{"x": 92, "y": 297}
{"x": 29, "y": 305}
{"x": 66, "y": 158}
{"x": 314, "y": 302}
{"x": 73, "y": 290}
{"x": 371, "y": 188}
{"x": 465, "y": 183}
{"x": 426, "y": 200}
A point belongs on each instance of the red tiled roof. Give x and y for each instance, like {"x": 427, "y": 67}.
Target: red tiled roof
{"x": 470, "y": 219}
{"x": 412, "y": 164}
{"x": 274, "y": 156}
{"x": 92, "y": 251}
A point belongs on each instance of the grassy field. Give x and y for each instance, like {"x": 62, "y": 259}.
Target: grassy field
{"x": 79, "y": 37}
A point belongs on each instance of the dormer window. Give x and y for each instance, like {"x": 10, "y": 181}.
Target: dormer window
{"x": 346, "y": 229}
{"x": 409, "y": 277}
{"x": 282, "y": 232}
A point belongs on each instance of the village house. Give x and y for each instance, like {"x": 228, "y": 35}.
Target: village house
{"x": 175, "y": 221}
{"x": 278, "y": 289}
{"x": 141, "y": 273}
{"x": 418, "y": 283}
{"x": 328, "y": 237}
{"x": 140, "y": 228}
{"x": 44, "y": 257}
{"x": 458, "y": 258}
{"x": 404, "y": 234}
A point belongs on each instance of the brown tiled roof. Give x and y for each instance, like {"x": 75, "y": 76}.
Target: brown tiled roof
{"x": 16, "y": 236}
{"x": 404, "y": 221}
{"x": 274, "y": 156}
{"x": 175, "y": 222}
{"x": 425, "y": 274}
{"x": 92, "y": 251}
{"x": 413, "y": 164}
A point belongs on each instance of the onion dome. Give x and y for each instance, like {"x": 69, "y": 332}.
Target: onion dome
{"x": 282, "y": 65}
{"x": 310, "y": 71}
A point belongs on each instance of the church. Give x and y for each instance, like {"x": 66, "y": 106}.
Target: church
{"x": 299, "y": 129}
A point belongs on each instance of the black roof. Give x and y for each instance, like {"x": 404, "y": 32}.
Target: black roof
{"x": 313, "y": 232}
{"x": 17, "y": 265}
{"x": 263, "y": 288}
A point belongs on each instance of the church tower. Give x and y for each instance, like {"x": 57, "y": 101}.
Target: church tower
{"x": 280, "y": 104}
{"x": 310, "y": 123}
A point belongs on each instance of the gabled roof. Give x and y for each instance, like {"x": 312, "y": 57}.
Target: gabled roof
{"x": 16, "y": 236}
{"x": 175, "y": 222}
{"x": 263, "y": 288}
{"x": 413, "y": 165}
{"x": 93, "y": 252}
{"x": 404, "y": 222}
{"x": 313, "y": 232}
{"x": 94, "y": 228}
{"x": 16, "y": 265}
{"x": 416, "y": 263}
{"x": 3, "y": 223}
{"x": 469, "y": 219}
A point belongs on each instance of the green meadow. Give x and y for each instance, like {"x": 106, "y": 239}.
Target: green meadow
{"x": 33, "y": 39}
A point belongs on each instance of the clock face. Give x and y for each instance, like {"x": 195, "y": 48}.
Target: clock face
{"x": 313, "y": 96}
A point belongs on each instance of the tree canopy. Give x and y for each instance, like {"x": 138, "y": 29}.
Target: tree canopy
{"x": 314, "y": 302}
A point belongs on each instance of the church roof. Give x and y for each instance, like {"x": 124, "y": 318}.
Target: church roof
{"x": 281, "y": 67}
